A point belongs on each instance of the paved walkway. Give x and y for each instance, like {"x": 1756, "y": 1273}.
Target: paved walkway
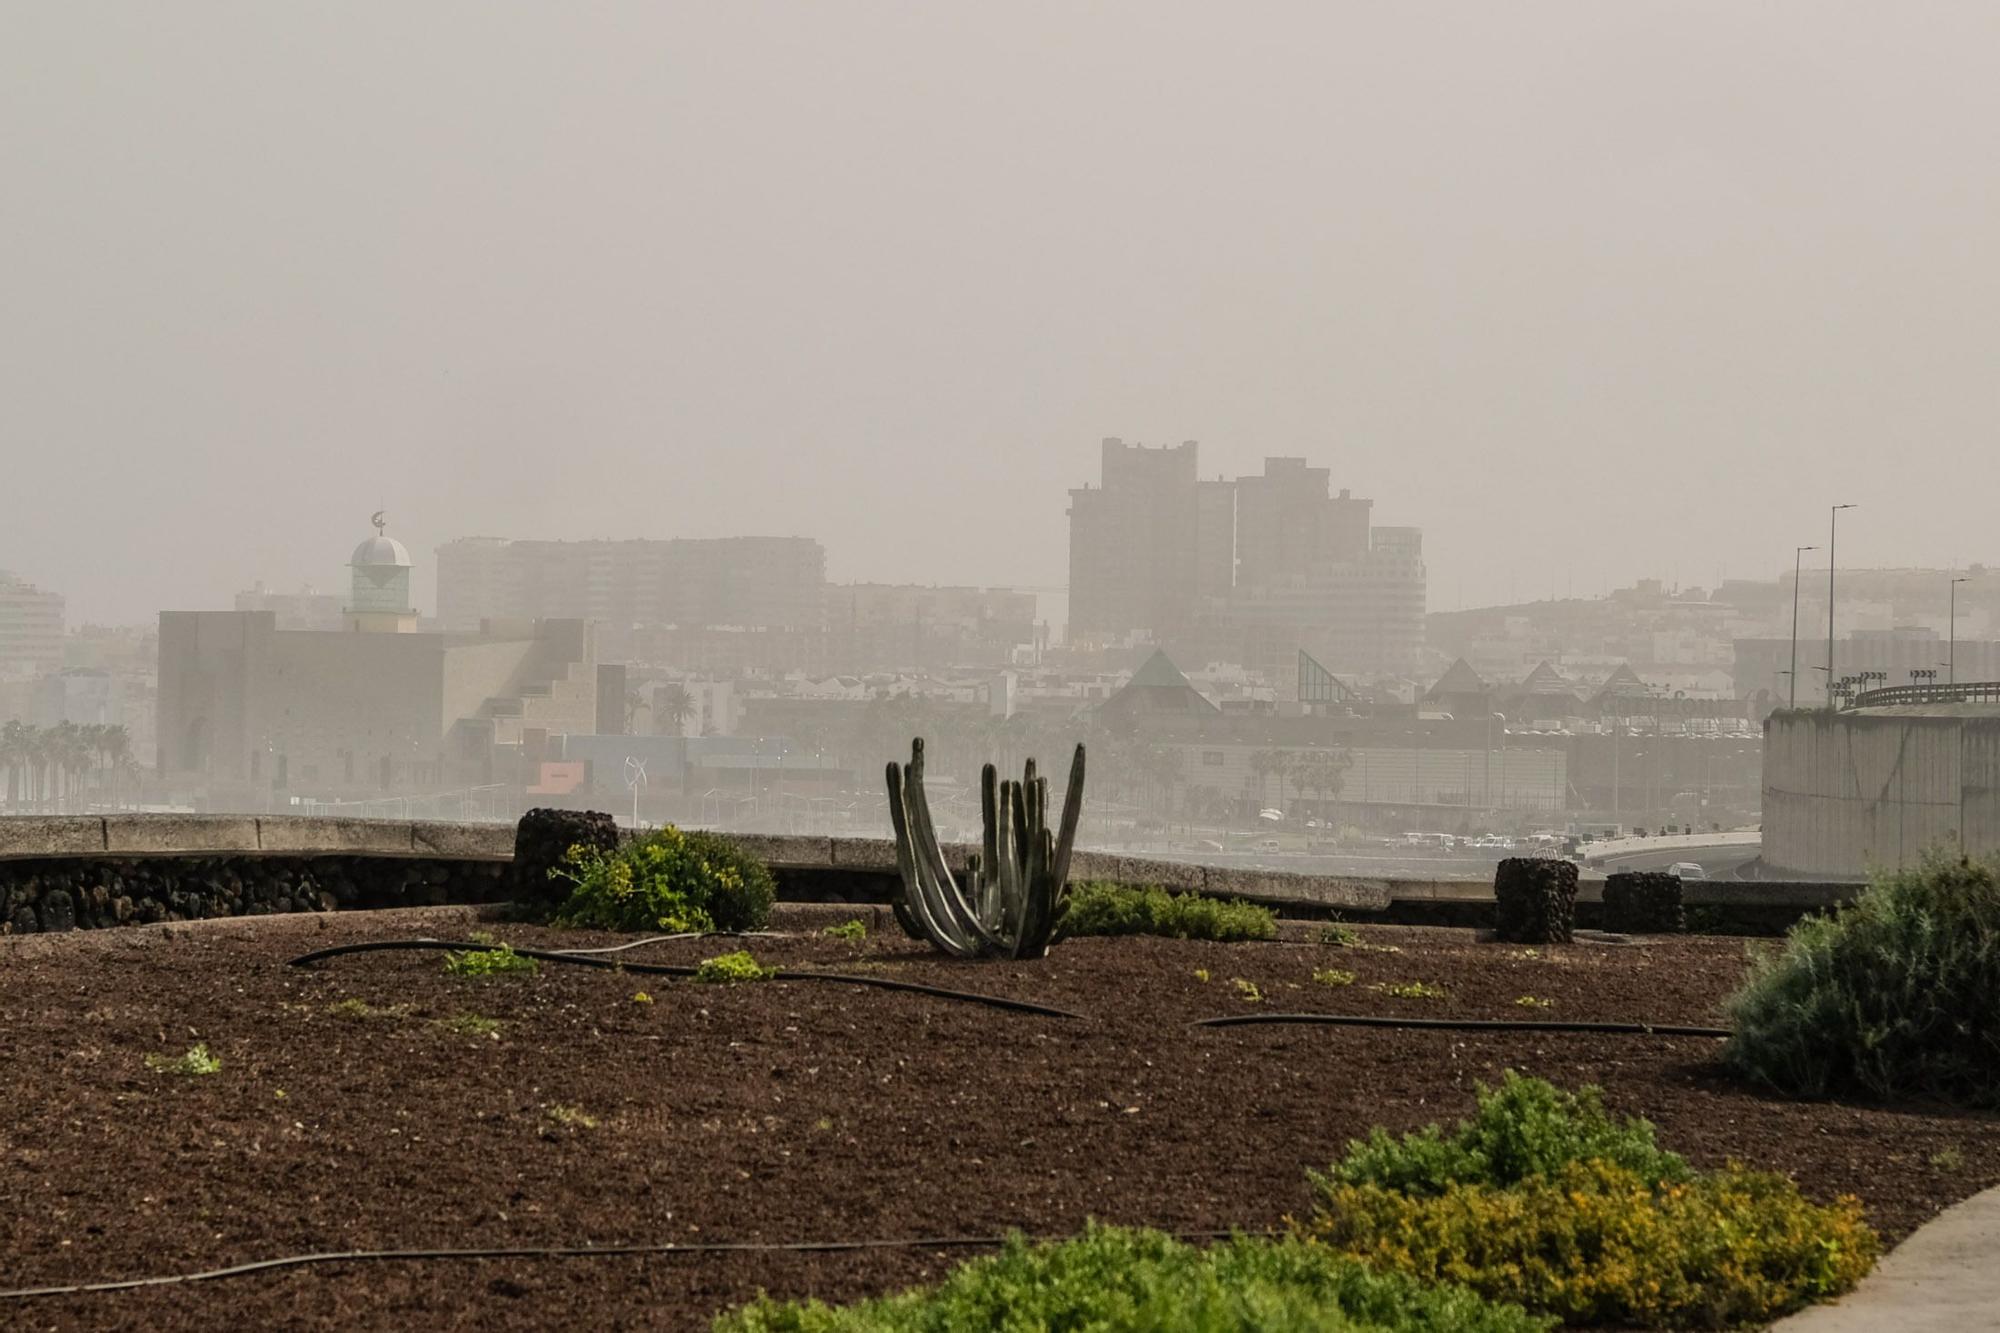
{"x": 1945, "y": 1276}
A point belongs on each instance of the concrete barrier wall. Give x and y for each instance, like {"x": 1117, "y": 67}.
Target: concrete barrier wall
{"x": 1846, "y": 793}
{"x": 24, "y": 836}
{"x": 221, "y": 864}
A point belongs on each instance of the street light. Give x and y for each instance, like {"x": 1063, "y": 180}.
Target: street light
{"x": 1832, "y": 529}
{"x": 1797, "y": 556}
{"x": 1951, "y": 664}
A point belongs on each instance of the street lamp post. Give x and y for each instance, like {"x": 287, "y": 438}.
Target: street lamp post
{"x": 1797, "y": 556}
{"x": 1832, "y": 529}
{"x": 1951, "y": 664}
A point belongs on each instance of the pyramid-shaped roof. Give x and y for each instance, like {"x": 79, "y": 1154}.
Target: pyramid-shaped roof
{"x": 1159, "y": 673}
{"x": 1158, "y": 687}
{"x": 1461, "y": 679}
{"x": 1545, "y": 679}
{"x": 1623, "y": 681}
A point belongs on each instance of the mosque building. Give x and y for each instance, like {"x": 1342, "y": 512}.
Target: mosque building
{"x": 254, "y": 713}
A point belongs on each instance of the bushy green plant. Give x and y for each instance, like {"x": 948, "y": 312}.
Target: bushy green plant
{"x": 488, "y": 962}
{"x": 194, "y": 1062}
{"x": 1097, "y": 907}
{"x": 672, "y": 880}
{"x": 848, "y": 930}
{"x": 1111, "y": 1278}
{"x": 1598, "y": 1243}
{"x": 1525, "y": 1127}
{"x": 729, "y": 967}
{"x": 1896, "y": 995}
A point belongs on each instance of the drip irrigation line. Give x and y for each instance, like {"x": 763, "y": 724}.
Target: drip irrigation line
{"x": 662, "y": 939}
{"x": 1466, "y": 1024}
{"x": 555, "y": 1252}
{"x": 679, "y": 970}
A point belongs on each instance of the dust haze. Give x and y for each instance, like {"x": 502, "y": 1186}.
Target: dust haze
{"x": 1588, "y": 292}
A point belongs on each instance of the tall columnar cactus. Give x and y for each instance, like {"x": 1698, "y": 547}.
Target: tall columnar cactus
{"x": 1014, "y": 894}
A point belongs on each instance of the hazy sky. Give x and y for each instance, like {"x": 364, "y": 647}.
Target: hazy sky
{"x": 1587, "y": 290}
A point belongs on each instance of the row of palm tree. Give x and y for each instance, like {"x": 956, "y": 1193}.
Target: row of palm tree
{"x": 48, "y": 768}
{"x": 1321, "y": 772}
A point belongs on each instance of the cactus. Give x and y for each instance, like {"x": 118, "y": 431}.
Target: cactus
{"x": 1015, "y": 887}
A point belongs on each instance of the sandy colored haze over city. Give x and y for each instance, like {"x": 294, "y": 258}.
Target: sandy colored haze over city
{"x": 1587, "y": 291}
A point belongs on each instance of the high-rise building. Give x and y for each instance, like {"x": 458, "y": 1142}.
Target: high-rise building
{"x": 1135, "y": 548}
{"x": 740, "y": 582}
{"x": 1288, "y": 524}
{"x": 31, "y": 628}
{"x": 1250, "y": 571}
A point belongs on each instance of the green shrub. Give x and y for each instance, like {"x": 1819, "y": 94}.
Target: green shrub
{"x": 1111, "y": 1278}
{"x": 670, "y": 880}
{"x": 1598, "y": 1243}
{"x": 1544, "y": 1199}
{"x": 730, "y": 967}
{"x": 1096, "y": 907}
{"x": 488, "y": 962}
{"x": 1897, "y": 995}
{"x": 1525, "y": 1127}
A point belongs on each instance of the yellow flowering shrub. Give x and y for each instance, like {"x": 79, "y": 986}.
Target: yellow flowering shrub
{"x": 1595, "y": 1243}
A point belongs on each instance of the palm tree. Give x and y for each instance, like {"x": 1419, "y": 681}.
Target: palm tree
{"x": 1324, "y": 772}
{"x": 675, "y": 704}
{"x": 1265, "y": 763}
{"x": 118, "y": 751}
{"x": 15, "y": 740}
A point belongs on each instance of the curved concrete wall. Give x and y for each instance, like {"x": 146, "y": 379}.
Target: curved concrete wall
{"x": 378, "y": 863}
{"x": 1845, "y": 793}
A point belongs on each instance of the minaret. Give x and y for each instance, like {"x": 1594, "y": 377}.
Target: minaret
{"x": 381, "y": 599}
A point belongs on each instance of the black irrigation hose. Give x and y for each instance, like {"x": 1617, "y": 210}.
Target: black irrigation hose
{"x": 1466, "y": 1024}
{"x": 677, "y": 970}
{"x": 662, "y": 939}
{"x": 554, "y": 1252}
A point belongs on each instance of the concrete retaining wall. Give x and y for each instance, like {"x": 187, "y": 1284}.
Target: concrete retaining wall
{"x": 1845, "y": 793}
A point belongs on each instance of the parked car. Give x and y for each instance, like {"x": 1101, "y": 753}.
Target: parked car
{"x": 1689, "y": 870}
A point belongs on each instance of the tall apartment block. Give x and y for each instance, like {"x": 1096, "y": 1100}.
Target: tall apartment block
{"x": 1250, "y": 570}
{"x": 31, "y": 628}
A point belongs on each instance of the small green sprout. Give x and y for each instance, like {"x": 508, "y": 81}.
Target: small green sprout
{"x": 1247, "y": 991}
{"x": 471, "y": 1025}
{"x": 848, "y": 930}
{"x": 733, "y": 967}
{"x": 1332, "y": 976}
{"x": 1411, "y": 990}
{"x": 195, "y": 1061}
{"x": 488, "y": 962}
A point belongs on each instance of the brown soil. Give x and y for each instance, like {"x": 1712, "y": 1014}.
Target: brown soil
{"x": 784, "y": 1111}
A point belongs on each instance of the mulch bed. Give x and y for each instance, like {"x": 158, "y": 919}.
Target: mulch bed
{"x": 786, "y": 1111}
